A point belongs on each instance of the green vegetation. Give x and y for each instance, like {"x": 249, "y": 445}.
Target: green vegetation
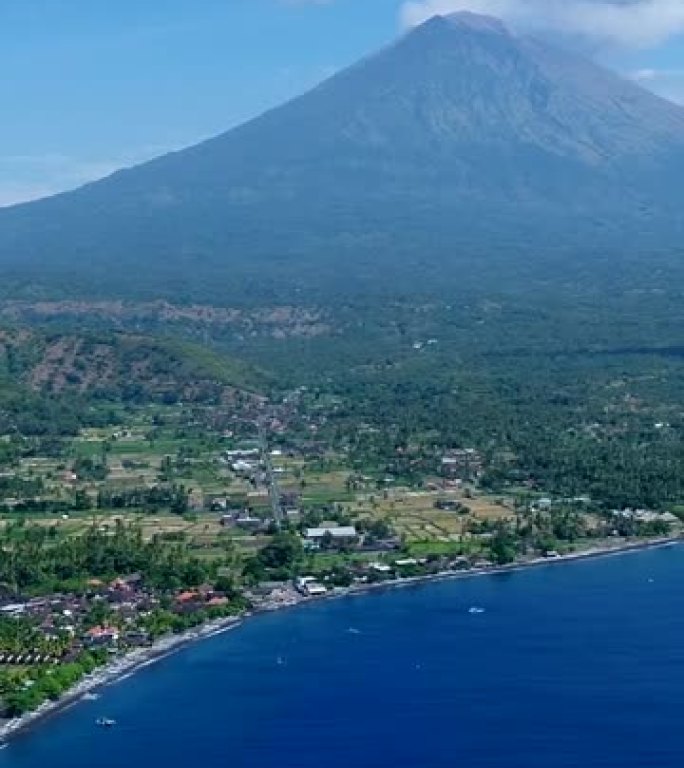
{"x": 42, "y": 561}
{"x": 427, "y": 428}
{"x": 54, "y": 383}
{"x": 276, "y": 561}
{"x": 28, "y": 689}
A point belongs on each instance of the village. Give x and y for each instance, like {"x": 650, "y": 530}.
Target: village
{"x": 264, "y": 514}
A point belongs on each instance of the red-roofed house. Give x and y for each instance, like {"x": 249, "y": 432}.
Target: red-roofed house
{"x": 217, "y": 601}
{"x": 187, "y": 597}
{"x": 99, "y": 636}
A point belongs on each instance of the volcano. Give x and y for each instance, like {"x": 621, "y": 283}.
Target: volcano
{"x": 458, "y": 142}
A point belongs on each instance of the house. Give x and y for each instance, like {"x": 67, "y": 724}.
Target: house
{"x": 101, "y": 636}
{"x": 316, "y": 590}
{"x": 217, "y": 504}
{"x": 331, "y": 536}
{"x": 133, "y": 580}
{"x": 138, "y": 637}
{"x": 243, "y": 467}
{"x": 231, "y": 516}
{"x": 221, "y": 504}
{"x": 388, "y": 544}
{"x": 249, "y": 523}
{"x": 309, "y": 587}
{"x": 268, "y": 589}
{"x": 216, "y": 602}
{"x": 341, "y": 533}
{"x": 380, "y": 567}
{"x": 449, "y": 505}
{"x": 120, "y": 585}
{"x": 242, "y": 454}
{"x": 187, "y": 597}
{"x": 462, "y": 464}
{"x": 646, "y": 516}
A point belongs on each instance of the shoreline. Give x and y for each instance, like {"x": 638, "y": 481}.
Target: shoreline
{"x": 520, "y": 565}
{"x": 127, "y": 665}
{"x": 118, "y": 670}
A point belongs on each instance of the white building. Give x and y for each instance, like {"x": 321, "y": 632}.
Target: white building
{"x": 340, "y": 534}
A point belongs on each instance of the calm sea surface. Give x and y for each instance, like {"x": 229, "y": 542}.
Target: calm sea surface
{"x": 576, "y": 665}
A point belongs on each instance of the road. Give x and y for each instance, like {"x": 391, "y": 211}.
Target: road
{"x": 273, "y": 488}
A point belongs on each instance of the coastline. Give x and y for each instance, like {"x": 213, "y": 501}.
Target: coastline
{"x": 519, "y": 565}
{"x": 127, "y": 665}
{"x": 118, "y": 670}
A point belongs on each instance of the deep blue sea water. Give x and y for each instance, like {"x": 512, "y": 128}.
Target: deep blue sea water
{"x": 569, "y": 665}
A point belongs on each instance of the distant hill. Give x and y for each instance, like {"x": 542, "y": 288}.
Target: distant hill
{"x": 461, "y": 153}
{"x": 46, "y": 373}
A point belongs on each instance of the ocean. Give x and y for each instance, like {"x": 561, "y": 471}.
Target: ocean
{"x": 565, "y": 665}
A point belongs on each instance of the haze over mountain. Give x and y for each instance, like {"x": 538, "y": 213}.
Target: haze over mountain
{"x": 460, "y": 143}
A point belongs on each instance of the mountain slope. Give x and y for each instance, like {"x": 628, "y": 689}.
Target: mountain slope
{"x": 120, "y": 366}
{"x": 460, "y": 140}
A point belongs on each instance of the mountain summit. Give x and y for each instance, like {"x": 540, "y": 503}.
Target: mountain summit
{"x": 459, "y": 136}
{"x": 474, "y": 21}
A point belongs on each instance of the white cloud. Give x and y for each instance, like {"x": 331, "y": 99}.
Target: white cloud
{"x": 629, "y": 23}
{"x": 665, "y": 82}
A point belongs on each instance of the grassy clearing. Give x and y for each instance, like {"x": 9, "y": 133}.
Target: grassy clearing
{"x": 413, "y": 513}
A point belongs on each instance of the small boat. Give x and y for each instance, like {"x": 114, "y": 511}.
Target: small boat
{"x": 105, "y": 722}
{"x": 476, "y": 610}
{"x": 91, "y": 696}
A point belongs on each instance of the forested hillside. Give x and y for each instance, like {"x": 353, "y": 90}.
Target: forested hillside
{"x": 56, "y": 382}
{"x": 470, "y": 238}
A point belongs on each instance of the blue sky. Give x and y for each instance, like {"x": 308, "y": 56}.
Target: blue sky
{"x": 91, "y": 85}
